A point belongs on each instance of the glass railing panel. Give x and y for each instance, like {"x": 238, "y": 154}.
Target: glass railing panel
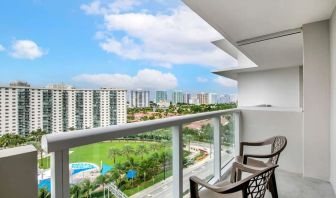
{"x": 227, "y": 134}
{"x": 138, "y": 165}
{"x": 198, "y": 158}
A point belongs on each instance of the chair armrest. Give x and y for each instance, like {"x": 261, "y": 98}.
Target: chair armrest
{"x": 238, "y": 168}
{"x": 245, "y": 157}
{"x": 243, "y": 168}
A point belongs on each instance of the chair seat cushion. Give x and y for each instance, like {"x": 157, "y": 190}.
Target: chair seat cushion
{"x": 206, "y": 193}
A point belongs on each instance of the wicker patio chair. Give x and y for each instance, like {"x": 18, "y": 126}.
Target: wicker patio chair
{"x": 253, "y": 186}
{"x": 278, "y": 145}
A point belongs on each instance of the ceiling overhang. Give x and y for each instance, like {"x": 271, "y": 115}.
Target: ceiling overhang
{"x": 267, "y": 32}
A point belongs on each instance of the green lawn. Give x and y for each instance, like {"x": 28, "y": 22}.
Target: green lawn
{"x": 97, "y": 153}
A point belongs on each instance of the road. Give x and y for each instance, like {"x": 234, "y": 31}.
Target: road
{"x": 164, "y": 189}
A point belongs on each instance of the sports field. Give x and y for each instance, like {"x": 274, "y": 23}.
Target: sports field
{"x": 99, "y": 152}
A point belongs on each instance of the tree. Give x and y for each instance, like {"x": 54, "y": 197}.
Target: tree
{"x": 36, "y": 135}
{"x": 39, "y": 149}
{"x": 11, "y": 140}
{"x": 87, "y": 187}
{"x": 127, "y": 150}
{"x": 101, "y": 180}
{"x": 188, "y": 138}
{"x": 113, "y": 153}
{"x": 74, "y": 191}
{"x": 43, "y": 193}
{"x": 142, "y": 149}
{"x": 154, "y": 146}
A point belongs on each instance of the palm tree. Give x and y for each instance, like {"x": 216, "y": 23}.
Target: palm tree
{"x": 188, "y": 138}
{"x": 87, "y": 187}
{"x": 36, "y": 135}
{"x": 154, "y": 146}
{"x": 43, "y": 193}
{"x": 75, "y": 191}
{"x": 113, "y": 153}
{"x": 101, "y": 180}
{"x": 142, "y": 149}
{"x": 39, "y": 149}
{"x": 127, "y": 150}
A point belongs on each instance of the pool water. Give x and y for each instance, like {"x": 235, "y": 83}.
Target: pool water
{"x": 80, "y": 167}
{"x": 106, "y": 168}
{"x": 44, "y": 183}
{"x": 75, "y": 168}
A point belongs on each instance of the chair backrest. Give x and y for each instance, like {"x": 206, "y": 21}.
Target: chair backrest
{"x": 257, "y": 183}
{"x": 278, "y": 145}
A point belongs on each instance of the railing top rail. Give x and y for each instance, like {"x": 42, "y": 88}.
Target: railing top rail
{"x": 60, "y": 141}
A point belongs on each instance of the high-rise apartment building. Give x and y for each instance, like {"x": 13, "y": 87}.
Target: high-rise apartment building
{"x": 186, "y": 98}
{"x": 161, "y": 96}
{"x": 24, "y": 109}
{"x": 224, "y": 99}
{"x": 194, "y": 100}
{"x": 202, "y": 98}
{"x": 212, "y": 98}
{"x": 139, "y": 98}
{"x": 177, "y": 97}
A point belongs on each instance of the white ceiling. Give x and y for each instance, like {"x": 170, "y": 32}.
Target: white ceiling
{"x": 279, "y": 52}
{"x": 237, "y": 20}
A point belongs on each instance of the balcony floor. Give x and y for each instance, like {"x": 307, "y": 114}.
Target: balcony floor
{"x": 294, "y": 186}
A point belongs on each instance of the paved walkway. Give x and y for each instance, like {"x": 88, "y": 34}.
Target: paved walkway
{"x": 164, "y": 189}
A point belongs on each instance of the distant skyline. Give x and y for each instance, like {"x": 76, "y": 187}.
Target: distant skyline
{"x": 153, "y": 45}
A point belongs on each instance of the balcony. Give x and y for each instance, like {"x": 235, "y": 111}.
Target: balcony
{"x": 291, "y": 183}
{"x": 286, "y": 74}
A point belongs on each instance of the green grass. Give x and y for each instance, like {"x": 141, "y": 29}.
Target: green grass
{"x": 97, "y": 153}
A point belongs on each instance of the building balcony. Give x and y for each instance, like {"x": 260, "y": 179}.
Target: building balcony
{"x": 249, "y": 125}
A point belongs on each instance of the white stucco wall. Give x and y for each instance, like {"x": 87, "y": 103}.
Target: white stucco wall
{"x": 316, "y": 100}
{"x": 262, "y": 124}
{"x": 18, "y": 170}
{"x": 277, "y": 87}
{"x": 333, "y": 100}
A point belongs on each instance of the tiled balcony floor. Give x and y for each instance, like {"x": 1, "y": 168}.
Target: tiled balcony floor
{"x": 294, "y": 186}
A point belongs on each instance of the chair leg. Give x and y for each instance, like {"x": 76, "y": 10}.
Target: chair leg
{"x": 273, "y": 187}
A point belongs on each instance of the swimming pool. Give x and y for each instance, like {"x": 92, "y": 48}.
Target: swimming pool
{"x": 74, "y": 168}
{"x": 81, "y": 167}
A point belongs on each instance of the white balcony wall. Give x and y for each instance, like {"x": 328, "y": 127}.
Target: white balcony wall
{"x": 260, "y": 124}
{"x": 276, "y": 87}
{"x": 316, "y": 100}
{"x": 333, "y": 99}
{"x": 18, "y": 170}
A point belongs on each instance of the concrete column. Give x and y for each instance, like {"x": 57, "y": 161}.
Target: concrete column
{"x": 316, "y": 100}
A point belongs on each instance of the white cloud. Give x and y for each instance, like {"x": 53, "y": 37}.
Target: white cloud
{"x": 98, "y": 7}
{"x": 225, "y": 82}
{"x": 146, "y": 79}
{"x": 180, "y": 37}
{"x": 202, "y": 79}
{"x": 2, "y": 48}
{"x": 26, "y": 49}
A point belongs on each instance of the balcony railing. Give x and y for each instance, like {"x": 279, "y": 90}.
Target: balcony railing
{"x": 59, "y": 144}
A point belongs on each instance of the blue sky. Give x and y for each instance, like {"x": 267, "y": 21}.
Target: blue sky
{"x": 149, "y": 44}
